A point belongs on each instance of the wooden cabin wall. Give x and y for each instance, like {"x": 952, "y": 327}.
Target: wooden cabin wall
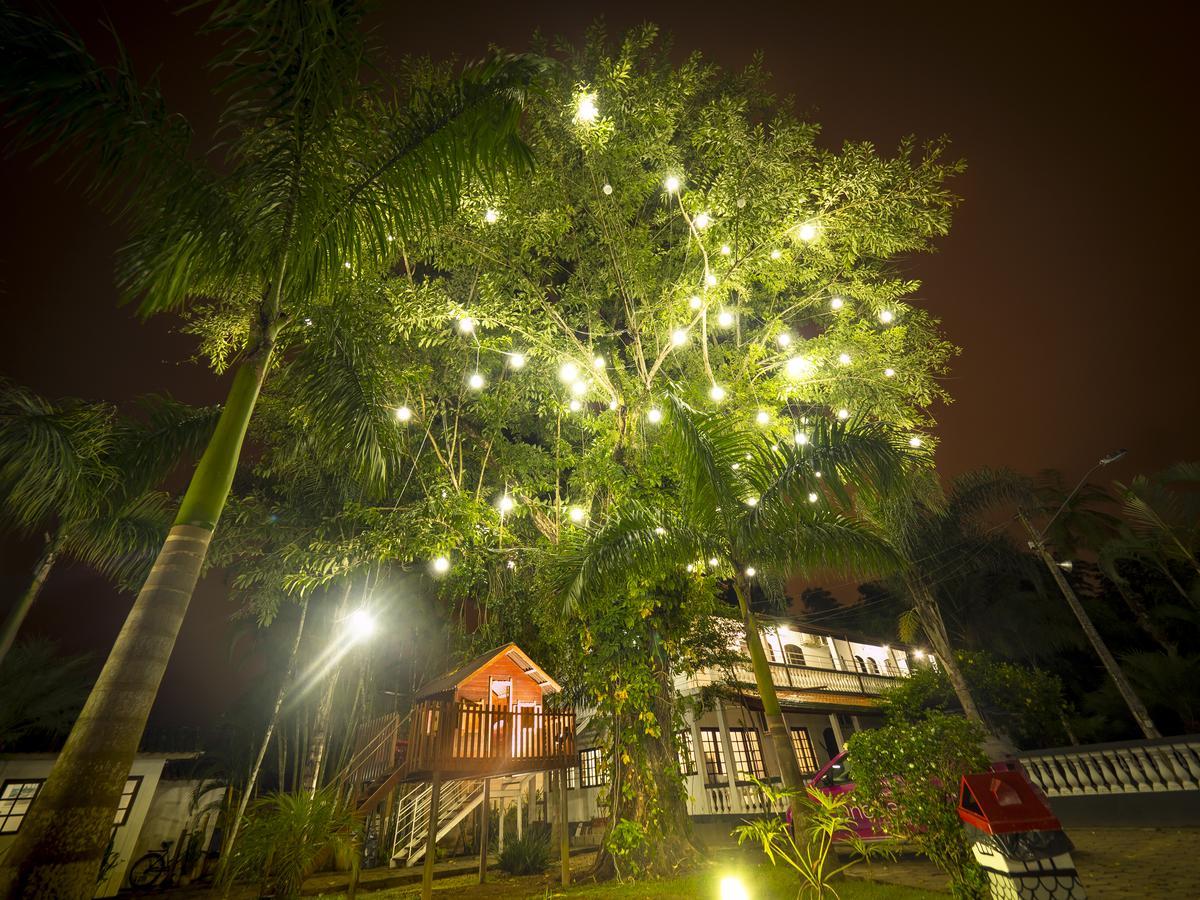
{"x": 524, "y": 690}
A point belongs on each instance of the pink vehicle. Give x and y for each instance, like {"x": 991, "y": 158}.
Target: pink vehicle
{"x": 834, "y": 779}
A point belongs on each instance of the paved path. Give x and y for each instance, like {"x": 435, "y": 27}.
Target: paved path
{"x": 1113, "y": 863}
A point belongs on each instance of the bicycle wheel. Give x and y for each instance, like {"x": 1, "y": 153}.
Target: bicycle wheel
{"x": 147, "y": 870}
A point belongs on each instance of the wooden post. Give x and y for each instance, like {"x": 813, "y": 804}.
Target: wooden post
{"x": 484, "y": 822}
{"x": 435, "y": 795}
{"x": 500, "y": 807}
{"x": 564, "y": 826}
{"x": 520, "y": 805}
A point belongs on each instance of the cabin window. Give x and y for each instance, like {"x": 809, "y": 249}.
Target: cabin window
{"x": 872, "y": 666}
{"x": 794, "y": 655}
{"x": 860, "y": 664}
{"x": 802, "y": 744}
{"x": 714, "y": 760}
{"x": 15, "y": 799}
{"x": 591, "y": 768}
{"x": 747, "y": 753}
{"x": 687, "y": 753}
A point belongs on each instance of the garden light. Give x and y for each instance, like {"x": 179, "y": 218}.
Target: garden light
{"x": 837, "y": 303}
{"x": 914, "y": 442}
{"x": 725, "y": 250}
{"x": 466, "y": 325}
{"x": 724, "y": 318}
{"x": 579, "y": 388}
{"x": 679, "y": 337}
{"x": 574, "y": 405}
{"x": 568, "y": 372}
{"x": 710, "y": 279}
{"x": 505, "y": 504}
{"x": 441, "y": 565}
{"x": 784, "y": 339}
{"x": 585, "y": 109}
{"x": 491, "y": 216}
{"x": 843, "y": 414}
{"x": 844, "y": 359}
{"x": 654, "y": 415}
{"x": 889, "y": 373}
{"x": 812, "y": 497}
{"x": 800, "y": 438}
{"x": 763, "y": 417}
{"x": 807, "y": 232}
{"x": 887, "y": 316}
{"x": 671, "y": 184}
{"x": 360, "y": 625}
{"x": 607, "y": 190}
{"x": 733, "y": 889}
{"x": 799, "y": 367}
{"x": 717, "y": 393}
{"x": 476, "y": 381}
{"x": 702, "y": 220}
{"x": 516, "y": 360}
{"x": 751, "y": 571}
{"x": 694, "y": 302}
{"x": 598, "y": 362}
{"x": 576, "y": 514}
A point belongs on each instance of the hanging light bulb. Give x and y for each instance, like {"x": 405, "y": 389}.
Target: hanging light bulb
{"x": 800, "y": 438}
{"x": 714, "y": 562}
{"x": 575, "y": 405}
{"x": 812, "y": 497}
{"x": 751, "y": 571}
{"x": 886, "y": 316}
{"x": 654, "y": 415}
{"x": 763, "y": 417}
{"x": 837, "y": 303}
{"x": 466, "y": 325}
{"x": 585, "y": 109}
{"x": 476, "y": 381}
{"x": 403, "y": 414}
{"x": 679, "y": 337}
{"x": 799, "y": 367}
{"x": 726, "y": 250}
{"x": 844, "y": 359}
{"x": 441, "y": 565}
{"x": 843, "y": 414}
{"x": 808, "y": 232}
{"x": 752, "y": 501}
{"x": 914, "y": 442}
{"x": 889, "y": 373}
{"x": 576, "y": 514}
{"x": 516, "y": 360}
{"x": 702, "y": 220}
{"x": 568, "y": 372}
{"x": 671, "y": 184}
{"x": 491, "y": 216}
{"x": 724, "y": 318}
{"x": 579, "y": 387}
{"x": 710, "y": 279}
{"x": 694, "y": 302}
{"x": 775, "y": 254}
{"x": 505, "y": 504}
{"x": 717, "y": 393}
{"x": 783, "y": 339}
{"x": 598, "y": 362}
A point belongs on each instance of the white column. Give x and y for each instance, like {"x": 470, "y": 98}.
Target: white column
{"x": 857, "y": 725}
{"x": 701, "y": 776}
{"x": 727, "y": 749}
{"x": 833, "y": 653}
{"x": 837, "y": 731}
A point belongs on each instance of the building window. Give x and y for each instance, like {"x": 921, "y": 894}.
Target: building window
{"x": 687, "y": 753}
{"x": 15, "y": 798}
{"x": 872, "y": 666}
{"x": 889, "y": 666}
{"x": 794, "y": 655}
{"x": 128, "y": 795}
{"x": 802, "y": 744}
{"x": 858, "y": 662}
{"x": 770, "y": 651}
{"x": 714, "y": 760}
{"x": 591, "y": 768}
{"x": 572, "y": 778}
{"x": 747, "y": 753}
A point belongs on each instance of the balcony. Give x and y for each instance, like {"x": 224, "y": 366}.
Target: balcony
{"x": 808, "y": 679}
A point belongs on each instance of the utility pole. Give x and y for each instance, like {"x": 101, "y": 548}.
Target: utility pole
{"x": 1140, "y": 714}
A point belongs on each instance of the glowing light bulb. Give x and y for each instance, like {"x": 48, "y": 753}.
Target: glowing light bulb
{"x": 889, "y": 373}
{"x": 598, "y": 362}
{"x": 575, "y": 406}
{"x": 886, "y": 316}
{"x": 784, "y": 339}
{"x": 585, "y": 109}
{"x": 691, "y": 567}
{"x": 763, "y": 417}
{"x": 724, "y": 318}
{"x": 726, "y": 250}
{"x": 714, "y": 562}
{"x": 491, "y": 216}
{"x": 659, "y": 530}
{"x": 807, "y": 232}
{"x": 733, "y": 889}
{"x": 752, "y": 501}
{"x": 717, "y": 393}
{"x": 679, "y": 337}
{"x": 919, "y": 654}
{"x": 799, "y": 367}
{"x": 360, "y": 625}
{"x": 843, "y": 414}
{"x": 702, "y": 220}
{"x": 441, "y": 565}
{"x": 579, "y": 388}
{"x": 654, "y": 415}
{"x": 751, "y": 571}
{"x": 812, "y": 497}
{"x": 837, "y": 303}
{"x": 345, "y": 265}
{"x": 736, "y": 466}
{"x": 914, "y": 442}
{"x": 612, "y": 404}
{"x": 505, "y": 504}
{"x": 476, "y": 381}
{"x": 671, "y": 184}
{"x": 466, "y": 325}
{"x": 607, "y": 190}
{"x": 568, "y": 372}
{"x": 844, "y": 359}
{"x": 694, "y": 302}
{"x": 576, "y": 514}
{"x": 516, "y": 360}
{"x": 775, "y": 254}
{"x": 800, "y": 438}
{"x": 403, "y": 414}
{"x": 710, "y": 279}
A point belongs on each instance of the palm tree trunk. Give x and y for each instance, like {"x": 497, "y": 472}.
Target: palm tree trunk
{"x": 62, "y": 841}
{"x": 16, "y": 616}
{"x": 781, "y": 740}
{"x": 252, "y": 779}
{"x": 935, "y": 629}
{"x": 1141, "y": 615}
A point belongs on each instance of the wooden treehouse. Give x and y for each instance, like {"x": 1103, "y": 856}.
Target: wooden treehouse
{"x": 484, "y": 720}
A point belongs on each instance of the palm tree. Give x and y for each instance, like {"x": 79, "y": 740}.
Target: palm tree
{"x": 85, "y": 478}
{"x": 747, "y": 511}
{"x": 941, "y": 539}
{"x": 42, "y": 692}
{"x": 324, "y": 174}
{"x": 1165, "y": 508}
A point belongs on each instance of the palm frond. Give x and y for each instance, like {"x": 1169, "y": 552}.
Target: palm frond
{"x": 704, "y": 450}
{"x": 145, "y": 450}
{"x": 982, "y": 489}
{"x": 800, "y": 537}
{"x": 122, "y": 544}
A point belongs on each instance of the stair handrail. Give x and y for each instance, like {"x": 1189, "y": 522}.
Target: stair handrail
{"x": 389, "y": 732}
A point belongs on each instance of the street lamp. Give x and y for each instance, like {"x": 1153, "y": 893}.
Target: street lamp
{"x": 1038, "y": 545}
{"x": 360, "y": 625}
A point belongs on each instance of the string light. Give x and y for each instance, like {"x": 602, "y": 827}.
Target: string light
{"x": 575, "y": 406}
{"x": 694, "y": 302}
{"x": 886, "y": 316}
{"x": 679, "y": 337}
{"x": 843, "y": 414}
{"x": 800, "y": 438}
{"x": 598, "y": 362}
{"x": 345, "y": 265}
{"x": 585, "y": 109}
{"x": 889, "y": 373}
{"x": 837, "y": 303}
{"x": 763, "y": 417}
{"x": 807, "y": 232}
{"x": 491, "y": 216}
{"x": 752, "y": 501}
{"x": 751, "y": 571}
{"x": 579, "y": 387}
{"x": 441, "y": 565}
{"x": 607, "y": 190}
{"x": 516, "y": 360}
{"x": 724, "y": 318}
{"x": 844, "y": 359}
{"x": 654, "y": 415}
{"x": 659, "y": 530}
{"x": 799, "y": 367}
{"x": 568, "y": 372}
{"x": 702, "y": 220}
{"x": 466, "y": 325}
{"x": 784, "y": 339}
{"x": 714, "y": 562}
{"x": 403, "y": 414}
{"x": 612, "y": 404}
{"x": 775, "y": 254}
{"x": 725, "y": 250}
{"x": 914, "y": 442}
{"x": 710, "y": 279}
{"x": 717, "y": 393}
{"x": 576, "y": 514}
{"x": 812, "y": 497}
{"x": 505, "y": 504}
{"x": 671, "y": 184}
{"x": 476, "y": 381}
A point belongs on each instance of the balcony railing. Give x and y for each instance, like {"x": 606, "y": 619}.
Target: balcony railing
{"x": 803, "y": 678}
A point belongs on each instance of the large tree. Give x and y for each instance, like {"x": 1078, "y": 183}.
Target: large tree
{"x": 321, "y": 171}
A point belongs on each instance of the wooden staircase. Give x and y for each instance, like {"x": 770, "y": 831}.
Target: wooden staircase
{"x": 379, "y": 763}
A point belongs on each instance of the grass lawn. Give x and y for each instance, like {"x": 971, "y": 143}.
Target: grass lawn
{"x": 762, "y": 883}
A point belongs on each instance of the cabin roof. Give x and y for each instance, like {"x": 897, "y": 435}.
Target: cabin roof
{"x": 455, "y": 677}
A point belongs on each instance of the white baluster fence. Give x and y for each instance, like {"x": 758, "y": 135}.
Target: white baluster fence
{"x": 1128, "y": 767}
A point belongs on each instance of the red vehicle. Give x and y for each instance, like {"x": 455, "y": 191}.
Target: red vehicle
{"x": 834, "y": 779}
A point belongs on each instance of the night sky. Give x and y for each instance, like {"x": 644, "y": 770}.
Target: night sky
{"x": 1067, "y": 278}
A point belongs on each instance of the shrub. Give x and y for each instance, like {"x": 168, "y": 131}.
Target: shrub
{"x": 527, "y": 855}
{"x": 824, "y": 817}
{"x": 906, "y": 777}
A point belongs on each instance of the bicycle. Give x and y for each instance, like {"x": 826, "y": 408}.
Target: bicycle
{"x": 153, "y": 867}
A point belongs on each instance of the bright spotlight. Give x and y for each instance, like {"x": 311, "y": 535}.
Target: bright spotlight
{"x": 360, "y": 625}
{"x": 733, "y": 889}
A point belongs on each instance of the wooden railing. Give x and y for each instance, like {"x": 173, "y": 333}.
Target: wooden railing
{"x": 807, "y": 678}
{"x": 1128, "y": 767}
{"x": 457, "y": 738}
{"x": 378, "y": 750}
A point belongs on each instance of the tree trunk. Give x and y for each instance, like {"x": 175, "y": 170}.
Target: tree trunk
{"x": 61, "y": 844}
{"x": 1141, "y": 615}
{"x": 935, "y": 630}
{"x": 781, "y": 740}
{"x": 318, "y": 744}
{"x": 17, "y": 614}
{"x": 252, "y": 779}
